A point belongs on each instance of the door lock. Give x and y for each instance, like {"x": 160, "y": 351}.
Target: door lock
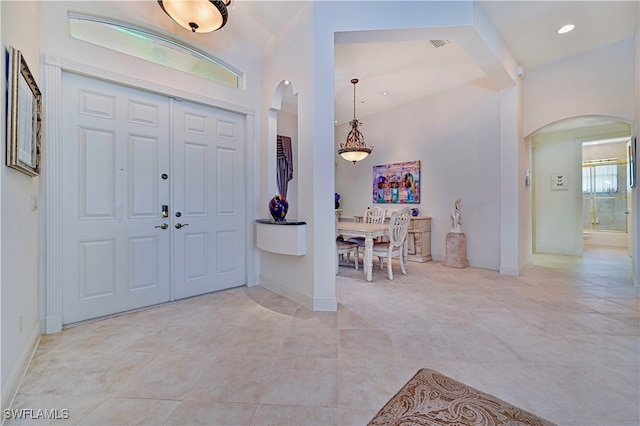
{"x": 163, "y": 226}
{"x": 180, "y": 225}
{"x": 165, "y": 210}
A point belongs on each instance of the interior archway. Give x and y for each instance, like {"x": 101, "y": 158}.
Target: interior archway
{"x": 563, "y": 212}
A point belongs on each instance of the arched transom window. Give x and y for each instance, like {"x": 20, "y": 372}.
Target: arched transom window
{"x": 152, "y": 47}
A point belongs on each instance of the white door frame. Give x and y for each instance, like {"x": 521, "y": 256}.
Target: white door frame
{"x": 52, "y": 209}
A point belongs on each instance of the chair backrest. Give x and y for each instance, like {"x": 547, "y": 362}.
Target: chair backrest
{"x": 374, "y": 215}
{"x": 398, "y": 226}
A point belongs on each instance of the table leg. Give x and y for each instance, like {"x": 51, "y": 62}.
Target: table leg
{"x": 368, "y": 256}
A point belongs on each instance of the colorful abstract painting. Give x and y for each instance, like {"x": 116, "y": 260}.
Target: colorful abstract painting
{"x": 397, "y": 183}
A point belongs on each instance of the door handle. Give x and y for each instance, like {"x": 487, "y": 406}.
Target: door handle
{"x": 163, "y": 226}
{"x": 180, "y": 225}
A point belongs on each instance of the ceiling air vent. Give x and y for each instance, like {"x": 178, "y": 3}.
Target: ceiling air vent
{"x": 439, "y": 43}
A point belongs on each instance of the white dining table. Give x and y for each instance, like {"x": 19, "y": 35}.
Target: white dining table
{"x": 369, "y": 231}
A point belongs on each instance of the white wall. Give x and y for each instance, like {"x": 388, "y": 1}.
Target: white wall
{"x": 456, "y": 136}
{"x": 558, "y": 213}
{"x": 598, "y": 82}
{"x": 525, "y": 199}
{"x": 19, "y": 227}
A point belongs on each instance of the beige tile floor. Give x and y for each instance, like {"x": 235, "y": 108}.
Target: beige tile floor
{"x": 561, "y": 340}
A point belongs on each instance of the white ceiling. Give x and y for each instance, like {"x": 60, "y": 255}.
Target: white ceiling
{"x": 409, "y": 70}
{"x": 394, "y": 73}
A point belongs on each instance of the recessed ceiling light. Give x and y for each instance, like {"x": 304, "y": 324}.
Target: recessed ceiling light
{"x": 385, "y": 93}
{"x": 566, "y": 28}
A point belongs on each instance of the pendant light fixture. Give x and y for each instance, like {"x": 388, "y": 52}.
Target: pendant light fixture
{"x": 354, "y": 149}
{"x": 198, "y": 16}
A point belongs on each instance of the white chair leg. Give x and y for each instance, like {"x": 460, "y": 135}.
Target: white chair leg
{"x": 389, "y": 262}
{"x": 402, "y": 264}
{"x": 355, "y": 258}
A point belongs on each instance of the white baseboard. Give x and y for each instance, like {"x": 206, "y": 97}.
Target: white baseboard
{"x": 10, "y": 390}
{"x": 554, "y": 250}
{"x": 484, "y": 265}
{"x": 527, "y": 264}
{"x": 53, "y": 324}
{"x": 327, "y": 305}
{"x": 472, "y": 262}
{"x": 287, "y": 292}
{"x": 302, "y": 299}
{"x": 513, "y": 271}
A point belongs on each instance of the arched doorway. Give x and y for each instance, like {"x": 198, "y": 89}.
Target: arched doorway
{"x": 581, "y": 192}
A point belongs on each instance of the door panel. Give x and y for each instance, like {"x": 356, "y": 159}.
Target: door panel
{"x": 96, "y": 159}
{"x": 97, "y": 267}
{"x": 143, "y": 258}
{"x": 143, "y": 177}
{"x": 209, "y": 194}
{"x": 116, "y": 147}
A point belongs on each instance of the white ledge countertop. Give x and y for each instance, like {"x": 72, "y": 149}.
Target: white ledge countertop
{"x": 282, "y": 222}
{"x": 288, "y": 237}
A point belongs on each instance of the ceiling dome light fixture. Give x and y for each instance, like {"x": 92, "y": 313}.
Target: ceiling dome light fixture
{"x": 198, "y": 16}
{"x": 566, "y": 28}
{"x": 354, "y": 149}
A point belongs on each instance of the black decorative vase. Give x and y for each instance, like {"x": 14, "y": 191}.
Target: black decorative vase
{"x": 337, "y": 205}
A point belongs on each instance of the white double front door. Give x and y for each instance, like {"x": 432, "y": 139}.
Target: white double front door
{"x": 153, "y": 196}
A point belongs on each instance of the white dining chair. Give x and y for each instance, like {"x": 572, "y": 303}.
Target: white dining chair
{"x": 371, "y": 215}
{"x": 345, "y": 247}
{"x": 395, "y": 247}
{"x": 374, "y": 215}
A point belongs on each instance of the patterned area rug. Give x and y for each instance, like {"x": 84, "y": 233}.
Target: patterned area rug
{"x": 431, "y": 398}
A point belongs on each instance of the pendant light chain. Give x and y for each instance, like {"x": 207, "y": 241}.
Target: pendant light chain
{"x": 354, "y": 97}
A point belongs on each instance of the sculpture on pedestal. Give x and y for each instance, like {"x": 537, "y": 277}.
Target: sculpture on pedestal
{"x": 456, "y": 247}
{"x": 456, "y": 217}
